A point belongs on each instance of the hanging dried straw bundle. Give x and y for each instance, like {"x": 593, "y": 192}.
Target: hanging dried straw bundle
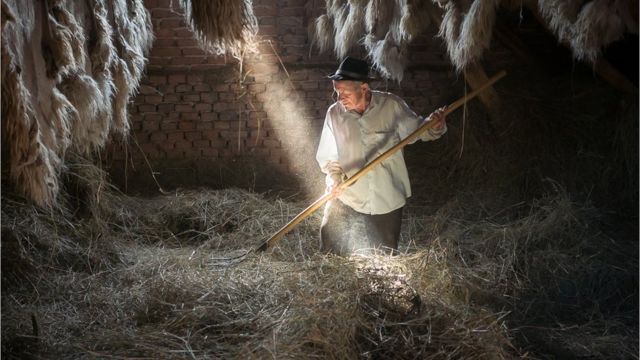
{"x": 132, "y": 30}
{"x": 384, "y": 42}
{"x": 467, "y": 28}
{"x": 414, "y": 18}
{"x": 385, "y": 28}
{"x": 222, "y": 26}
{"x": 75, "y": 97}
{"x": 352, "y": 28}
{"x": 588, "y": 28}
{"x": 321, "y": 32}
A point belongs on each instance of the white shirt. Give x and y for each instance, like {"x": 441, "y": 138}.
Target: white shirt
{"x": 354, "y": 140}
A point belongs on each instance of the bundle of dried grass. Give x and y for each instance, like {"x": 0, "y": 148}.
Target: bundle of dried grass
{"x": 466, "y": 28}
{"x": 590, "y": 27}
{"x": 222, "y": 25}
{"x": 45, "y": 54}
{"x": 385, "y": 28}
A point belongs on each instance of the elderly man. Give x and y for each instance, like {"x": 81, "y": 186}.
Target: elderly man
{"x": 361, "y": 125}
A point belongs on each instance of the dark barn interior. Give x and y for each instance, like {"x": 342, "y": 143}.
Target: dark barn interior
{"x": 154, "y": 150}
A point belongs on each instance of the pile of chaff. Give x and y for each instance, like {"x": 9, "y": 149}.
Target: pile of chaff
{"x": 137, "y": 278}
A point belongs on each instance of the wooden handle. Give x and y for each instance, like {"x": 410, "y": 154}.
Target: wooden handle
{"x": 409, "y": 139}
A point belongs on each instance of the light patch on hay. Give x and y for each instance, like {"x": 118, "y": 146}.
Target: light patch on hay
{"x": 222, "y": 26}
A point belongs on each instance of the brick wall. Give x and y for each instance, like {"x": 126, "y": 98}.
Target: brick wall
{"x": 195, "y": 111}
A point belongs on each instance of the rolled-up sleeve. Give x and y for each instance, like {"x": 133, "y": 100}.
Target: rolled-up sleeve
{"x": 327, "y": 149}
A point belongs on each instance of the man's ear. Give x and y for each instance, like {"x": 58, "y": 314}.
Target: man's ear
{"x": 365, "y": 87}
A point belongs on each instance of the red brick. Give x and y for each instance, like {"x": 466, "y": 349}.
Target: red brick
{"x": 153, "y": 99}
{"x": 162, "y": 13}
{"x": 193, "y": 135}
{"x": 150, "y": 125}
{"x": 257, "y": 87}
{"x": 184, "y": 108}
{"x": 168, "y": 125}
{"x": 208, "y": 116}
{"x": 172, "y": 23}
{"x": 221, "y": 106}
{"x": 207, "y": 97}
{"x": 184, "y": 88}
{"x": 221, "y": 125}
{"x": 210, "y": 152}
{"x": 192, "y": 153}
{"x": 187, "y": 60}
{"x": 175, "y": 154}
{"x": 175, "y": 136}
{"x": 146, "y": 108}
{"x": 171, "y": 98}
{"x": 203, "y": 107}
{"x": 204, "y": 125}
{"x": 158, "y": 137}
{"x": 217, "y": 60}
{"x": 157, "y": 79}
{"x": 165, "y": 108}
{"x": 162, "y": 33}
{"x": 190, "y": 43}
{"x": 185, "y": 34}
{"x": 191, "y": 97}
{"x": 210, "y": 134}
{"x": 186, "y": 125}
{"x": 270, "y": 143}
{"x": 189, "y": 116}
{"x": 192, "y": 51}
{"x": 265, "y": 10}
{"x": 228, "y": 115}
{"x": 153, "y": 116}
{"x": 166, "y": 51}
{"x": 201, "y": 87}
{"x": 201, "y": 143}
{"x": 152, "y": 4}
{"x": 292, "y": 11}
{"x": 182, "y": 145}
{"x": 219, "y": 143}
{"x": 177, "y": 79}
{"x": 221, "y": 87}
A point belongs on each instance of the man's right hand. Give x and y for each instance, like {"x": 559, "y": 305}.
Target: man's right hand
{"x": 335, "y": 176}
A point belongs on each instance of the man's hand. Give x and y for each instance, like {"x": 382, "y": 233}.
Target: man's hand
{"x": 335, "y": 176}
{"x": 438, "y": 118}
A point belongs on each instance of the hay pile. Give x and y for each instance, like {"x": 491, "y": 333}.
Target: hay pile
{"x": 222, "y": 26}
{"x": 68, "y": 71}
{"x": 142, "y": 280}
{"x": 386, "y": 28}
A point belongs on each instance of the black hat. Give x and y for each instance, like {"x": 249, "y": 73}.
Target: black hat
{"x": 352, "y": 69}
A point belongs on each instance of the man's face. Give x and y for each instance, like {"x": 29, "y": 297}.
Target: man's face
{"x": 351, "y": 94}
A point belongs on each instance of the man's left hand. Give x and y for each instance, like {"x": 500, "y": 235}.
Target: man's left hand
{"x": 438, "y": 118}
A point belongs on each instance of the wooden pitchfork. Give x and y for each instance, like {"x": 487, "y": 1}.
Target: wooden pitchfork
{"x": 328, "y": 196}
{"x": 414, "y": 135}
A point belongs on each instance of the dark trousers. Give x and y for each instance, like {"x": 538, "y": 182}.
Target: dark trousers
{"x": 345, "y": 231}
